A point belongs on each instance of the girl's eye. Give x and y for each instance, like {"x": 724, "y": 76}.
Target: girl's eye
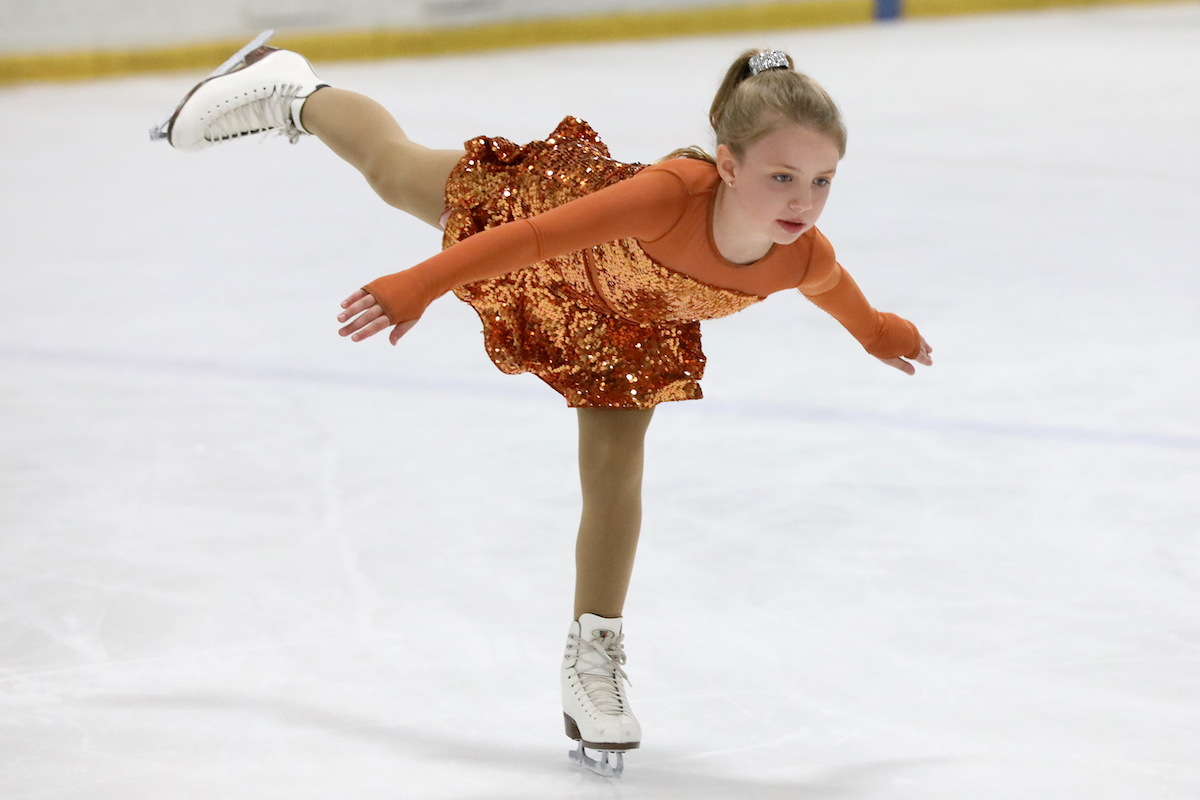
{"x": 782, "y": 178}
{"x": 822, "y": 182}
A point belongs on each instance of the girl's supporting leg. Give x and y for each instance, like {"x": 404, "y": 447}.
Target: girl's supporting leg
{"x": 406, "y": 175}
{"x": 610, "y": 474}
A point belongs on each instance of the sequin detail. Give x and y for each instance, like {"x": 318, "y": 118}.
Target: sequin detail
{"x": 604, "y": 327}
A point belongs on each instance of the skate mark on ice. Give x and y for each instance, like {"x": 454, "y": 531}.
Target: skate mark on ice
{"x": 190, "y": 656}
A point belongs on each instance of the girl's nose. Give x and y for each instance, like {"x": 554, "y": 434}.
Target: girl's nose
{"x": 801, "y": 201}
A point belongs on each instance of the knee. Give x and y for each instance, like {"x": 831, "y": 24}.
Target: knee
{"x": 386, "y": 172}
{"x": 614, "y": 455}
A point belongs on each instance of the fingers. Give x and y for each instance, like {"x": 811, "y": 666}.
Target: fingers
{"x": 380, "y": 323}
{"x": 358, "y": 295}
{"x": 900, "y": 364}
{"x": 367, "y": 318}
{"x": 355, "y": 304}
{"x": 368, "y": 323}
{"x": 924, "y": 357}
{"x": 401, "y": 329}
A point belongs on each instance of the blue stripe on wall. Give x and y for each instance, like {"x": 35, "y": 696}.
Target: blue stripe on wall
{"x": 888, "y": 9}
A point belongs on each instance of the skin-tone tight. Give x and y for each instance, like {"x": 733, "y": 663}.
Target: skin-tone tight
{"x": 610, "y": 473}
{"x": 413, "y": 179}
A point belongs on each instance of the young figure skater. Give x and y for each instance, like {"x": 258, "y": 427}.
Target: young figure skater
{"x": 590, "y": 273}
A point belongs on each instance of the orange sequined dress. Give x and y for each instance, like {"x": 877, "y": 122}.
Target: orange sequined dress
{"x": 602, "y": 298}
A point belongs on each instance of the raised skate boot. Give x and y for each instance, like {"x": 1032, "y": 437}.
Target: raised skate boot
{"x": 595, "y": 708}
{"x": 259, "y": 89}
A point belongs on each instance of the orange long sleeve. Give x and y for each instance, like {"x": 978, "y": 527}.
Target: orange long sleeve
{"x": 643, "y": 210}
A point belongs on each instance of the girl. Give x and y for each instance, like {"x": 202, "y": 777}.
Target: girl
{"x": 590, "y": 273}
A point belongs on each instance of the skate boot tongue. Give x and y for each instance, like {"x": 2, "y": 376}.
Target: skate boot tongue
{"x": 602, "y": 629}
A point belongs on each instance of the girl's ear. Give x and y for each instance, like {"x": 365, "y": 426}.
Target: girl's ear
{"x": 727, "y": 165}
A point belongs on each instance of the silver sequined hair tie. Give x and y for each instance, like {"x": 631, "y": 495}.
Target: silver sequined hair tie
{"x": 768, "y": 59}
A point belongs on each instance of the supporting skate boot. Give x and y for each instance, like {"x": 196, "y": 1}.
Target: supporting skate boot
{"x": 595, "y": 708}
{"x": 259, "y": 89}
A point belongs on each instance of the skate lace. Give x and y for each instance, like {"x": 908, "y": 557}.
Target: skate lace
{"x": 601, "y": 680}
{"x": 260, "y": 115}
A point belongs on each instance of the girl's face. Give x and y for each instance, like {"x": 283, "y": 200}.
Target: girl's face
{"x": 779, "y": 188}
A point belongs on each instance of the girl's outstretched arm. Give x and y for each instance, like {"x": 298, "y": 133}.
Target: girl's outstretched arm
{"x": 644, "y": 206}
{"x": 921, "y": 357}
{"x": 370, "y": 320}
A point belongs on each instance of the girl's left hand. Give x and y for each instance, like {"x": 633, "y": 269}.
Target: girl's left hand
{"x": 923, "y": 357}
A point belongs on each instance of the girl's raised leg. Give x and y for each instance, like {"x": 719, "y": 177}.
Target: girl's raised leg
{"x": 405, "y": 174}
{"x": 262, "y": 89}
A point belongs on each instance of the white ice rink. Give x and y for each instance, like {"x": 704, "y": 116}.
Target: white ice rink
{"x": 242, "y": 558}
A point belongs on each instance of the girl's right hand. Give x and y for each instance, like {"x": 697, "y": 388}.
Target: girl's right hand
{"x": 924, "y": 356}
{"x": 370, "y": 318}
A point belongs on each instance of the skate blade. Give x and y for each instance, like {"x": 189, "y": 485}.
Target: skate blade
{"x": 160, "y": 130}
{"x": 605, "y": 766}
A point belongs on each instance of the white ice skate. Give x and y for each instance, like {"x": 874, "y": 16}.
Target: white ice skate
{"x": 595, "y": 708}
{"x": 258, "y": 89}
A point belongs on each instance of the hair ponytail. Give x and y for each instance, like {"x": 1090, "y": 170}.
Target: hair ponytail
{"x": 738, "y": 72}
{"x": 747, "y": 107}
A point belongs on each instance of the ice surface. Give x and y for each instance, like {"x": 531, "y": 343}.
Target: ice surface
{"x": 243, "y": 558}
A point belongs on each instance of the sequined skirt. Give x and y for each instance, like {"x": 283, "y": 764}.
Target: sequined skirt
{"x": 550, "y": 319}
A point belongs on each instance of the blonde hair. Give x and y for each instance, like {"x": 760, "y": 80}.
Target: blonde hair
{"x": 748, "y": 107}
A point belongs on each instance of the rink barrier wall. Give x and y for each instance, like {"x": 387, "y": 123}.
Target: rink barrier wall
{"x": 380, "y": 44}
